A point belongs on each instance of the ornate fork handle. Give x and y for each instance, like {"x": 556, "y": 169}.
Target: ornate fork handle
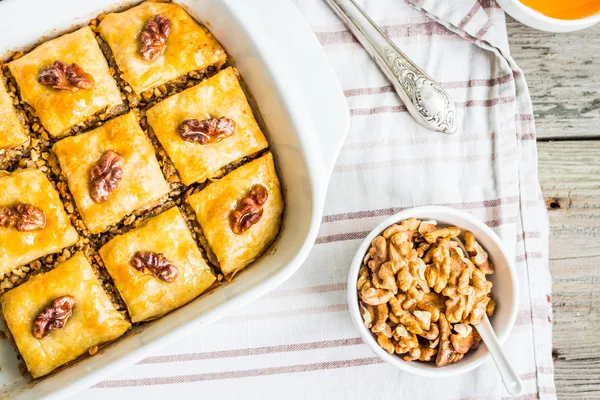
{"x": 425, "y": 99}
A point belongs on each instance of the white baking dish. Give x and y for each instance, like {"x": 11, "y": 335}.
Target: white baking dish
{"x": 306, "y": 115}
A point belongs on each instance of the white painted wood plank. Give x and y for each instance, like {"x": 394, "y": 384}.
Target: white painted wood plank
{"x": 570, "y": 179}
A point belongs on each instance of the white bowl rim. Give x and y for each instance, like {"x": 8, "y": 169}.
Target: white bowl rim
{"x": 565, "y": 23}
{"x": 367, "y": 336}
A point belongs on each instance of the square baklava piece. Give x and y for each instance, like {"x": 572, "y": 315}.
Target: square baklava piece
{"x": 12, "y": 133}
{"x": 111, "y": 171}
{"x": 56, "y": 317}
{"x": 206, "y": 127}
{"x": 155, "y": 43}
{"x": 33, "y": 221}
{"x": 240, "y": 214}
{"x": 157, "y": 267}
{"x": 66, "y": 80}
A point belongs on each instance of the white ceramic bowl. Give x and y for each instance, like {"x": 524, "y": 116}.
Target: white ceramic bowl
{"x": 537, "y": 20}
{"x": 504, "y": 291}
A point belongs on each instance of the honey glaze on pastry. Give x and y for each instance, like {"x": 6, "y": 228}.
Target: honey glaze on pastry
{"x": 118, "y": 187}
{"x": 157, "y": 266}
{"x": 48, "y": 297}
{"x": 81, "y": 71}
{"x": 226, "y": 130}
{"x": 33, "y": 222}
{"x": 154, "y": 43}
{"x": 12, "y": 133}
{"x": 235, "y": 247}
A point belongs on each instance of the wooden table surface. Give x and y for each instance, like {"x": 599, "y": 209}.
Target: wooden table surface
{"x": 563, "y": 73}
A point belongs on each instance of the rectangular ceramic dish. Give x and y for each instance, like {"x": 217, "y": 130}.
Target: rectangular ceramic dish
{"x": 304, "y": 111}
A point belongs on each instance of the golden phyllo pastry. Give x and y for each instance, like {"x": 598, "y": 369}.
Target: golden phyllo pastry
{"x": 66, "y": 80}
{"x": 48, "y": 334}
{"x": 111, "y": 172}
{"x": 155, "y": 43}
{"x": 33, "y": 222}
{"x": 12, "y": 133}
{"x": 241, "y": 213}
{"x": 206, "y": 127}
{"x": 157, "y": 267}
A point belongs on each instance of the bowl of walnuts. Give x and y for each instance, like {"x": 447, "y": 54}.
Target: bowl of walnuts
{"x": 422, "y": 281}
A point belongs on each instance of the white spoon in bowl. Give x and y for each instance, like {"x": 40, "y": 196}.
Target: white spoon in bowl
{"x": 511, "y": 380}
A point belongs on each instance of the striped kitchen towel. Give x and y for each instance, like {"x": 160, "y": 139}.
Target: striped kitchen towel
{"x": 298, "y": 342}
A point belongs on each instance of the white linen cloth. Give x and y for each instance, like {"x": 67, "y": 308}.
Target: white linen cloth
{"x": 298, "y": 342}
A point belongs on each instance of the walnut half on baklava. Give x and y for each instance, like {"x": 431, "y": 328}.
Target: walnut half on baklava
{"x": 206, "y": 127}
{"x": 157, "y": 267}
{"x": 66, "y": 80}
{"x": 241, "y": 213}
{"x": 33, "y": 221}
{"x": 57, "y": 316}
{"x": 155, "y": 43}
{"x": 112, "y": 171}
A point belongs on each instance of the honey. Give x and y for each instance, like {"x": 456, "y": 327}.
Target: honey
{"x": 564, "y": 9}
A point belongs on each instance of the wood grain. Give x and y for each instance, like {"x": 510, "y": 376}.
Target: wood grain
{"x": 563, "y": 73}
{"x": 570, "y": 179}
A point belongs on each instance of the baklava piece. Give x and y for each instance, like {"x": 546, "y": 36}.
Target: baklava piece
{"x": 206, "y": 127}
{"x": 111, "y": 172}
{"x": 33, "y": 222}
{"x": 240, "y": 214}
{"x": 157, "y": 267}
{"x": 56, "y": 317}
{"x": 12, "y": 133}
{"x": 67, "y": 81}
{"x": 155, "y": 43}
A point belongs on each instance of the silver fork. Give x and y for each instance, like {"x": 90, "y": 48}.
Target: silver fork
{"x": 425, "y": 99}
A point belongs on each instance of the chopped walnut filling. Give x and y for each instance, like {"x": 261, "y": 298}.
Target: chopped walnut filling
{"x": 154, "y": 37}
{"x": 106, "y": 175}
{"x": 23, "y": 217}
{"x": 206, "y": 131}
{"x": 53, "y": 317}
{"x": 417, "y": 284}
{"x": 211, "y": 70}
{"x": 65, "y": 77}
{"x": 156, "y": 263}
{"x": 249, "y": 210}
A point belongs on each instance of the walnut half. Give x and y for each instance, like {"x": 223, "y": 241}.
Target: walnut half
{"x": 106, "y": 175}
{"x": 65, "y": 77}
{"x": 23, "y": 217}
{"x": 53, "y": 317}
{"x": 154, "y": 37}
{"x": 206, "y": 131}
{"x": 249, "y": 210}
{"x": 156, "y": 263}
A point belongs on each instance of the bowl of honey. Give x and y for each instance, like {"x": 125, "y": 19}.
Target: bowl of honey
{"x": 554, "y": 15}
